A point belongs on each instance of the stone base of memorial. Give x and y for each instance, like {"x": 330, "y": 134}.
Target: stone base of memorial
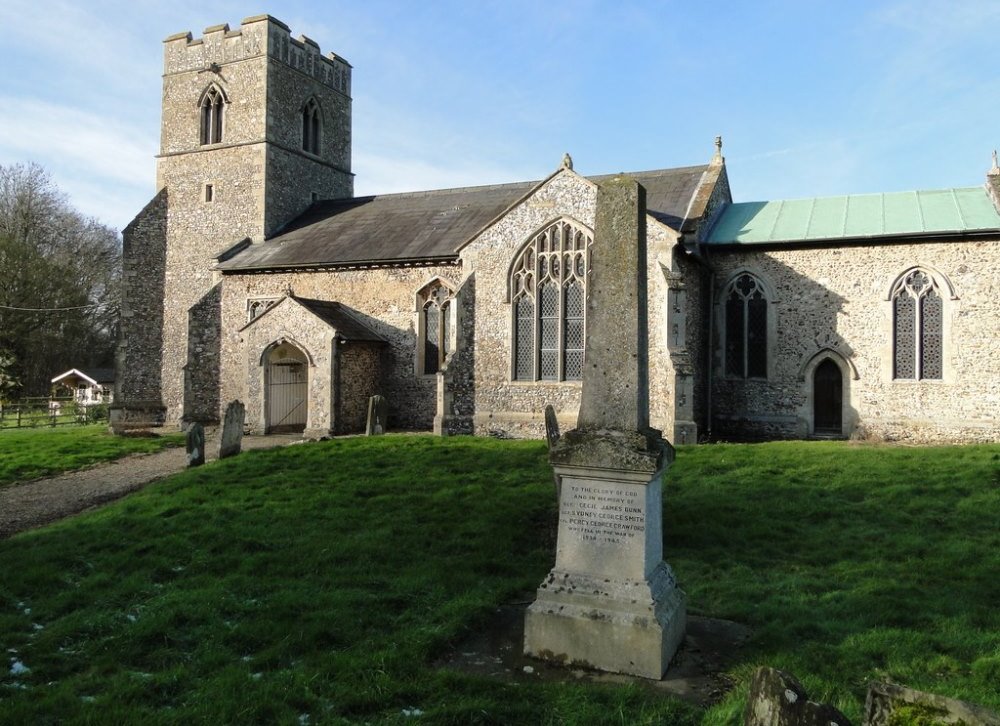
{"x": 610, "y": 602}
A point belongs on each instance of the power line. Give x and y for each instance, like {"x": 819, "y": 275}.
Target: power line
{"x": 53, "y": 310}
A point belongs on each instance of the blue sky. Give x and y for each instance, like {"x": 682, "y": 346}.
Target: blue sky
{"x": 811, "y": 98}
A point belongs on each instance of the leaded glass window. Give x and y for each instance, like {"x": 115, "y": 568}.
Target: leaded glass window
{"x": 548, "y": 294}
{"x": 212, "y": 109}
{"x": 917, "y": 327}
{"x": 746, "y": 328}
{"x": 435, "y": 327}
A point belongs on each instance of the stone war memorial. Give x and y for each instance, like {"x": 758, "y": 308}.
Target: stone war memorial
{"x": 611, "y": 602}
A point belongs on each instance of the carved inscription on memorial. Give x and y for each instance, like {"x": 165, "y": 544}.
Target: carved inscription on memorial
{"x": 603, "y": 515}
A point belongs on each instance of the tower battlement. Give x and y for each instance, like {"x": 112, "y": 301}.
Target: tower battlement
{"x": 257, "y": 36}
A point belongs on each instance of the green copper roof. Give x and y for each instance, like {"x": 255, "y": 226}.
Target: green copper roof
{"x": 940, "y": 211}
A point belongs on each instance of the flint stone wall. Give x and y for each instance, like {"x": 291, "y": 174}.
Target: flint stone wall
{"x": 382, "y": 298}
{"x": 137, "y": 360}
{"x": 837, "y": 299}
{"x": 502, "y": 406}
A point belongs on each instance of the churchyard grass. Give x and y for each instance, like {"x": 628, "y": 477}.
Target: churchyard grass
{"x": 32, "y": 453}
{"x": 321, "y": 583}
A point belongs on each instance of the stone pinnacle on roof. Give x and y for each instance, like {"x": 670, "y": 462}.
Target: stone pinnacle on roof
{"x": 995, "y": 169}
{"x": 567, "y": 161}
{"x": 718, "y": 158}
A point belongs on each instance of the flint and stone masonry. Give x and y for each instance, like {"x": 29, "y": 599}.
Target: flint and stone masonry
{"x": 611, "y": 602}
{"x": 262, "y": 209}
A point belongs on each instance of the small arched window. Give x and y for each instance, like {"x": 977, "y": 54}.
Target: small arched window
{"x": 213, "y": 104}
{"x": 548, "y": 284}
{"x": 746, "y": 328}
{"x": 435, "y": 302}
{"x": 311, "y": 127}
{"x": 917, "y": 327}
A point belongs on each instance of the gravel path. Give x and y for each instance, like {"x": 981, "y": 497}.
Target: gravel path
{"x": 23, "y": 506}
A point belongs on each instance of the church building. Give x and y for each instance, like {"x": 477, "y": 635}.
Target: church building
{"x": 255, "y": 274}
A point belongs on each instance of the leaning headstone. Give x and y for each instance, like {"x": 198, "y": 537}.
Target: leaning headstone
{"x": 378, "y": 412}
{"x": 888, "y": 703}
{"x": 552, "y": 437}
{"x": 778, "y": 699}
{"x": 196, "y": 445}
{"x": 232, "y": 430}
{"x": 551, "y": 426}
{"x": 611, "y": 602}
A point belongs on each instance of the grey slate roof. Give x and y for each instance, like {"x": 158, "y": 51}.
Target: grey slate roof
{"x": 340, "y": 319}
{"x": 425, "y": 226}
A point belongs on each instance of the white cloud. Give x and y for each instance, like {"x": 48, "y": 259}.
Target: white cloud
{"x": 99, "y": 162}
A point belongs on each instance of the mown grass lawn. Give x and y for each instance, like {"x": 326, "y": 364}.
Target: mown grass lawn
{"x": 320, "y": 583}
{"x": 27, "y": 454}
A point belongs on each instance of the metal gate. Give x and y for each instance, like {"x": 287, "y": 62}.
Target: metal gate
{"x": 287, "y": 386}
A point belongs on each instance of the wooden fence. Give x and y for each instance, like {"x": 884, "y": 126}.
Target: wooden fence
{"x": 39, "y": 412}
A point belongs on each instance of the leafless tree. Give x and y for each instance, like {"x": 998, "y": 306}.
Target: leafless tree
{"x": 59, "y": 282}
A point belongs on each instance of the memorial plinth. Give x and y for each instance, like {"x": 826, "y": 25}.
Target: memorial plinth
{"x": 611, "y": 602}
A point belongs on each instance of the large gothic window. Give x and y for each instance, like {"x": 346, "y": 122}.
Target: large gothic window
{"x": 917, "y": 322}
{"x": 746, "y": 328}
{"x": 213, "y": 105}
{"x": 548, "y": 285}
{"x": 311, "y": 126}
{"x": 435, "y": 325}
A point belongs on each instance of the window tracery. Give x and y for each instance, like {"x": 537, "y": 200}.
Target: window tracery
{"x": 548, "y": 284}
{"x": 311, "y": 126}
{"x": 917, "y": 324}
{"x": 258, "y": 306}
{"x": 213, "y": 104}
{"x": 435, "y": 323}
{"x": 746, "y": 328}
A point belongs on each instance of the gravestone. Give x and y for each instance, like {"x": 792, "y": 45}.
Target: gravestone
{"x": 551, "y": 426}
{"x": 232, "y": 430}
{"x": 196, "y": 445}
{"x": 778, "y": 699}
{"x": 611, "y": 602}
{"x": 888, "y": 703}
{"x": 552, "y": 436}
{"x": 378, "y": 413}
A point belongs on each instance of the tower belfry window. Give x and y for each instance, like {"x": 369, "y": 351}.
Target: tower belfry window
{"x": 213, "y": 105}
{"x": 311, "y": 127}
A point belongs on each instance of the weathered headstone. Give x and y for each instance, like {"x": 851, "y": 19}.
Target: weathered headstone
{"x": 378, "y": 413}
{"x": 551, "y": 426}
{"x": 232, "y": 430}
{"x": 552, "y": 437}
{"x": 611, "y": 602}
{"x": 888, "y": 703}
{"x": 196, "y": 445}
{"x": 778, "y": 699}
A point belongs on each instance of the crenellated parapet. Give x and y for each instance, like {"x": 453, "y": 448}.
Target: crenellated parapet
{"x": 257, "y": 36}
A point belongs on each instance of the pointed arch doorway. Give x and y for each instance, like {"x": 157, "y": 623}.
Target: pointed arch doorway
{"x": 286, "y": 377}
{"x": 828, "y": 399}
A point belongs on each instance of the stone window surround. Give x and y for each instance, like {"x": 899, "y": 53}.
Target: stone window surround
{"x": 952, "y": 306}
{"x": 719, "y": 303}
{"x": 512, "y": 270}
{"x": 420, "y": 301}
{"x": 850, "y": 395}
{"x": 212, "y": 115}
{"x": 257, "y": 306}
{"x": 311, "y": 114}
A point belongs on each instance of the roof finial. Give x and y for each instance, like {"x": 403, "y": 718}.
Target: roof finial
{"x": 718, "y": 158}
{"x": 995, "y": 169}
{"x": 567, "y": 162}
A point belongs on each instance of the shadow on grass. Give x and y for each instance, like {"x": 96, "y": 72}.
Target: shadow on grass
{"x": 323, "y": 580}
